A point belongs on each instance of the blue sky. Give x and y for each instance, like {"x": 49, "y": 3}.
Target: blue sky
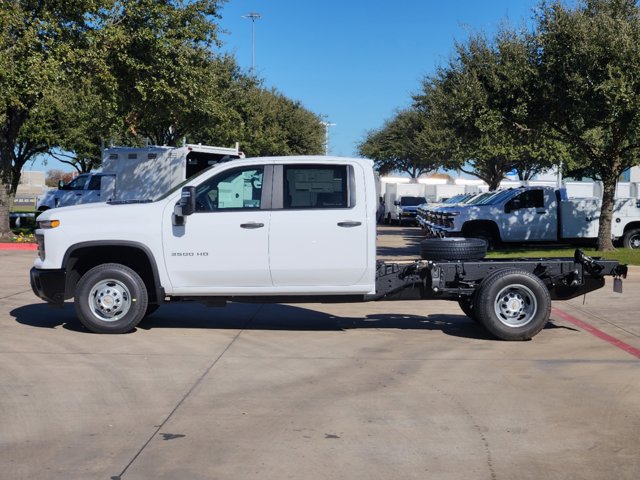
{"x": 357, "y": 61}
{"x": 354, "y": 61}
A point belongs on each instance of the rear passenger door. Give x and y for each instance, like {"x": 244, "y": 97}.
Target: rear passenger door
{"x": 318, "y": 234}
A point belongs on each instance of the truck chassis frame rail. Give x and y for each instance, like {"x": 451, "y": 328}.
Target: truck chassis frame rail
{"x": 509, "y": 297}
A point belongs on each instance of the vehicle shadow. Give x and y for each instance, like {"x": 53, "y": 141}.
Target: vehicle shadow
{"x": 263, "y": 317}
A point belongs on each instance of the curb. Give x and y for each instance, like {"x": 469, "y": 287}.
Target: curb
{"x": 18, "y": 246}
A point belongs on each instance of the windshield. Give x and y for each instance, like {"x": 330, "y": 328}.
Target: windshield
{"x": 480, "y": 197}
{"x": 498, "y": 197}
{"x": 457, "y": 198}
{"x": 412, "y": 201}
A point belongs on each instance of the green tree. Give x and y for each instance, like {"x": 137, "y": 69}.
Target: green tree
{"x": 160, "y": 55}
{"x": 589, "y": 59}
{"x": 39, "y": 42}
{"x": 265, "y": 122}
{"x": 483, "y": 98}
{"x": 409, "y": 143}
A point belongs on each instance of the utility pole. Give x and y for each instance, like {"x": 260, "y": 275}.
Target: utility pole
{"x": 326, "y": 126}
{"x": 253, "y": 16}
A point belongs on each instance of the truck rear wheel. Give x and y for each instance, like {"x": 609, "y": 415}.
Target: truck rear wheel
{"x": 111, "y": 298}
{"x": 513, "y": 304}
{"x": 632, "y": 239}
{"x": 453, "y": 249}
{"x": 466, "y": 305}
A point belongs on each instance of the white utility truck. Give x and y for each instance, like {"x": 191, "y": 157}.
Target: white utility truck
{"x": 131, "y": 173}
{"x": 532, "y": 214}
{"x": 401, "y": 201}
{"x": 280, "y": 229}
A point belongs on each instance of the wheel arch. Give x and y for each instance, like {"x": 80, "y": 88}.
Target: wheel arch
{"x": 83, "y": 256}
{"x": 631, "y": 226}
{"x": 488, "y": 226}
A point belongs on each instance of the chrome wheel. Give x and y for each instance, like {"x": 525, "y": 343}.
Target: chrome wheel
{"x": 515, "y": 305}
{"x": 109, "y": 300}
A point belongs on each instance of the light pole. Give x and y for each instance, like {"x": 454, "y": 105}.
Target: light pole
{"x": 326, "y": 126}
{"x": 253, "y": 16}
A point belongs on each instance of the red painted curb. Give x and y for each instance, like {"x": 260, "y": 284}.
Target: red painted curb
{"x": 18, "y": 246}
{"x": 596, "y": 332}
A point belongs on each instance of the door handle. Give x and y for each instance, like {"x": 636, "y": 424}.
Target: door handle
{"x": 349, "y": 224}
{"x": 251, "y": 225}
{"x": 540, "y": 212}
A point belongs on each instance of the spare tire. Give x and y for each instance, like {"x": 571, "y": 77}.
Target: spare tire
{"x": 453, "y": 249}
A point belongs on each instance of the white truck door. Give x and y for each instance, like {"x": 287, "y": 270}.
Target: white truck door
{"x": 225, "y": 242}
{"x": 318, "y": 225}
{"x": 531, "y": 215}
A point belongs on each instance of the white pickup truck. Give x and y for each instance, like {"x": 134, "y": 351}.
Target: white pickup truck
{"x": 85, "y": 188}
{"x": 280, "y": 229}
{"x": 531, "y": 214}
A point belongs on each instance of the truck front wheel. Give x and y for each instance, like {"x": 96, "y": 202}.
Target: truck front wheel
{"x": 513, "y": 304}
{"x": 111, "y": 298}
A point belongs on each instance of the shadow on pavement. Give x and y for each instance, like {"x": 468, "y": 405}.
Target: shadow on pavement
{"x": 263, "y": 317}
{"x": 258, "y": 317}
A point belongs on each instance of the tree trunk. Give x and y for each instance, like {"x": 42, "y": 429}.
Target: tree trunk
{"x": 5, "y": 200}
{"x": 606, "y": 213}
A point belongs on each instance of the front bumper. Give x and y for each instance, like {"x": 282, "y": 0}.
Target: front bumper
{"x": 49, "y": 285}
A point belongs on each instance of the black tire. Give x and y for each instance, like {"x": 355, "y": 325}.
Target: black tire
{"x": 111, "y": 298}
{"x": 453, "y": 249}
{"x": 513, "y": 304}
{"x": 466, "y": 305}
{"x": 151, "y": 309}
{"x": 632, "y": 239}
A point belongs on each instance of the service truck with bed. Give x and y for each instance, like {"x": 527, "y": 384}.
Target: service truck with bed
{"x": 286, "y": 230}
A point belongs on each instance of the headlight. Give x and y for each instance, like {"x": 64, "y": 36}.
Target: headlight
{"x": 48, "y": 223}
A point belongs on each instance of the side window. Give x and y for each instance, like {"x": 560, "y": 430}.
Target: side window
{"x": 94, "y": 183}
{"x": 528, "y": 199}
{"x": 235, "y": 189}
{"x": 78, "y": 183}
{"x": 315, "y": 186}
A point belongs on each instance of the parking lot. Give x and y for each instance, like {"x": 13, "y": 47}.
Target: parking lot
{"x": 388, "y": 390}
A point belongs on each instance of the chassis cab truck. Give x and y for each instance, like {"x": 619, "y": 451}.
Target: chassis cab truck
{"x": 280, "y": 229}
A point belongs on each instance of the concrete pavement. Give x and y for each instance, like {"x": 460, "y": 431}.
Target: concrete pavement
{"x": 397, "y": 390}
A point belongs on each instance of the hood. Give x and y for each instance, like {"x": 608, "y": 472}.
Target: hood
{"x": 94, "y": 210}
{"x": 410, "y": 209}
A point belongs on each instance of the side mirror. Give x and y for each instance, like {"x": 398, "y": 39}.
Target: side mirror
{"x": 185, "y": 207}
{"x": 396, "y": 203}
{"x": 60, "y": 184}
{"x": 188, "y": 201}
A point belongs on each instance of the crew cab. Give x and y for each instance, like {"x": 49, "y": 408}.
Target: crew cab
{"x": 280, "y": 229}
